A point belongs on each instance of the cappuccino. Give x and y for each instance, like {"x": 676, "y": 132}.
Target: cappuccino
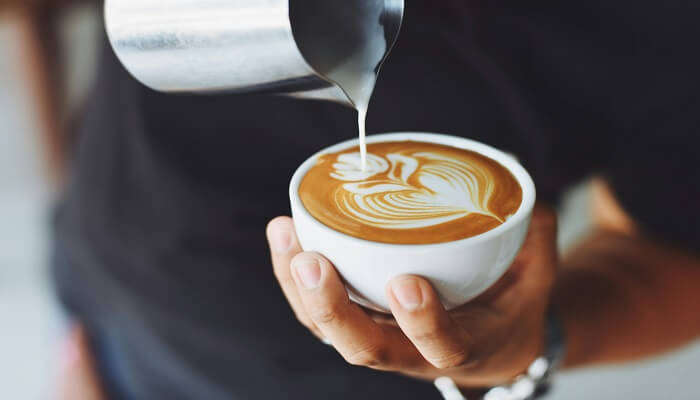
{"x": 410, "y": 192}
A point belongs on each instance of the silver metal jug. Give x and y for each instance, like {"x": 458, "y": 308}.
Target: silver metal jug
{"x": 306, "y": 48}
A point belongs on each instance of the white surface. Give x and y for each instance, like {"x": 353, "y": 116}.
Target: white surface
{"x": 673, "y": 377}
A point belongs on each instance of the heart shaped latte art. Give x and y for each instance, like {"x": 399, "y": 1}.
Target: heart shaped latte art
{"x": 408, "y": 190}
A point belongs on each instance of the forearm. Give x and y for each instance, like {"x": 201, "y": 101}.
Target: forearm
{"x": 624, "y": 298}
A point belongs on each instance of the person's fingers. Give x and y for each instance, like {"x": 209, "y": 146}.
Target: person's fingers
{"x": 533, "y": 269}
{"x": 284, "y": 246}
{"x": 537, "y": 261}
{"x": 358, "y": 338}
{"x": 78, "y": 379}
{"x": 422, "y": 317}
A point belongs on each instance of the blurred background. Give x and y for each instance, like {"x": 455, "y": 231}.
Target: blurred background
{"x": 31, "y": 324}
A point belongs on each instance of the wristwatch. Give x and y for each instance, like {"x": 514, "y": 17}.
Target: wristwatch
{"x": 535, "y": 382}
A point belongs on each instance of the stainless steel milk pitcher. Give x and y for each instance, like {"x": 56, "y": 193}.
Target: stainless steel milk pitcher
{"x": 279, "y": 46}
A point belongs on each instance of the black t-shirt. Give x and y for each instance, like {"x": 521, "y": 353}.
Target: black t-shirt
{"x": 161, "y": 229}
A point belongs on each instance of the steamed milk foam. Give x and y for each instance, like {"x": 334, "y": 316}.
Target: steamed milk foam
{"x": 410, "y": 193}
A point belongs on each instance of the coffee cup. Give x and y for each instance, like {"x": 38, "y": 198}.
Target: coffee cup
{"x": 459, "y": 270}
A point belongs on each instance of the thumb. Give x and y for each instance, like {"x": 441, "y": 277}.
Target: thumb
{"x": 77, "y": 377}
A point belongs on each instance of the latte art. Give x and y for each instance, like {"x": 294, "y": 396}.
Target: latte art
{"x": 410, "y": 192}
{"x": 418, "y": 190}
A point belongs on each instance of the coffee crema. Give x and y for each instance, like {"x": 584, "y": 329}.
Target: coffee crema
{"x": 410, "y": 193}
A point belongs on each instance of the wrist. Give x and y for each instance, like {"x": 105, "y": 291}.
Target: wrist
{"x": 536, "y": 380}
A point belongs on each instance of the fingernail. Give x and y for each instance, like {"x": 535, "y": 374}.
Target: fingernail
{"x": 407, "y": 293}
{"x": 308, "y": 271}
{"x": 281, "y": 241}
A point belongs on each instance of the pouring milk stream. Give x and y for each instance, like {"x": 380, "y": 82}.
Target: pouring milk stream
{"x": 354, "y": 65}
{"x": 357, "y": 79}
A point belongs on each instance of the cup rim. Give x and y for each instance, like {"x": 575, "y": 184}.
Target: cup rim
{"x": 506, "y": 160}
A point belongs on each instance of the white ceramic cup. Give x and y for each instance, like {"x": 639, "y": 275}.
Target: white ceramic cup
{"x": 458, "y": 270}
